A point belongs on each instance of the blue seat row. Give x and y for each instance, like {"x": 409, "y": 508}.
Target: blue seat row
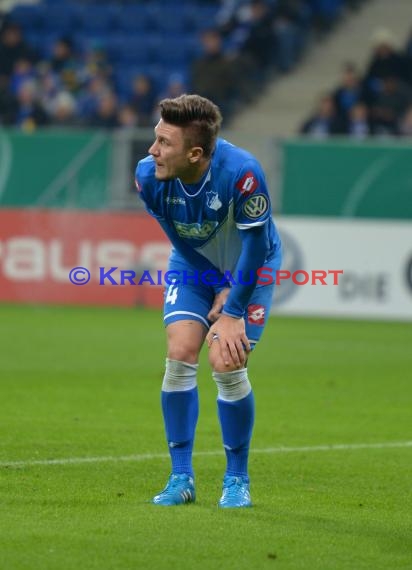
{"x": 160, "y": 76}
{"x": 65, "y": 18}
{"x": 143, "y": 48}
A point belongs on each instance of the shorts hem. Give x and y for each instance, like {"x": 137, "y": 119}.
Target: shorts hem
{"x": 185, "y": 315}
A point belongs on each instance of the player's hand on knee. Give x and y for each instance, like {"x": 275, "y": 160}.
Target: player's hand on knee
{"x": 233, "y": 343}
{"x": 219, "y": 301}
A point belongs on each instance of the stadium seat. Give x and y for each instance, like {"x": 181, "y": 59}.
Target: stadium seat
{"x": 59, "y": 18}
{"x": 171, "y": 50}
{"x": 133, "y": 19}
{"x": 28, "y": 17}
{"x": 98, "y": 19}
{"x": 169, "y": 19}
{"x": 44, "y": 43}
{"x": 131, "y": 49}
{"x": 200, "y": 17}
{"x": 125, "y": 74}
{"x": 84, "y": 42}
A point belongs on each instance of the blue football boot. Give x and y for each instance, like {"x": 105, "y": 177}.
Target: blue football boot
{"x": 179, "y": 490}
{"x": 236, "y": 492}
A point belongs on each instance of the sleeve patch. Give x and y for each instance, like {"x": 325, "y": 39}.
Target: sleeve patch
{"x": 247, "y": 184}
{"x": 256, "y": 206}
{"x": 138, "y": 186}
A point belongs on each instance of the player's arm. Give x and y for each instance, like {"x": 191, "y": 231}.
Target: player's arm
{"x": 252, "y": 210}
{"x": 252, "y": 257}
{"x": 229, "y": 329}
{"x": 233, "y": 301}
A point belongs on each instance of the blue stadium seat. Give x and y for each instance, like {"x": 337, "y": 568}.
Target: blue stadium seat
{"x": 169, "y": 19}
{"x": 98, "y": 19}
{"x": 135, "y": 18}
{"x": 161, "y": 75}
{"x": 46, "y": 43}
{"x": 84, "y": 42}
{"x": 59, "y": 18}
{"x": 173, "y": 49}
{"x": 201, "y": 17}
{"x": 124, "y": 76}
{"x": 131, "y": 49}
{"x": 35, "y": 40}
{"x": 28, "y": 17}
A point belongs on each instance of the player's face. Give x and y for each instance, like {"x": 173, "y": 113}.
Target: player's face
{"x": 169, "y": 152}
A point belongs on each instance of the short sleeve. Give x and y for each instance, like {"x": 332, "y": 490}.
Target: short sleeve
{"x": 145, "y": 189}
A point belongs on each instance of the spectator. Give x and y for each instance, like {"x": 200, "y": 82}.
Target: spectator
{"x": 143, "y": 99}
{"x": 48, "y": 86}
{"x": 30, "y": 114}
{"x": 385, "y": 62}
{"x": 291, "y": 30}
{"x": 213, "y": 73}
{"x": 127, "y": 117}
{"x": 324, "y": 122}
{"x": 89, "y": 98}
{"x": 176, "y": 86}
{"x": 405, "y": 126}
{"x": 63, "y": 110}
{"x": 8, "y": 103}
{"x": 349, "y": 92}
{"x": 260, "y": 41}
{"x": 65, "y": 65}
{"x": 12, "y": 49}
{"x": 106, "y": 116}
{"x": 358, "y": 125}
{"x": 408, "y": 59}
{"x": 23, "y": 71}
{"x": 390, "y": 106}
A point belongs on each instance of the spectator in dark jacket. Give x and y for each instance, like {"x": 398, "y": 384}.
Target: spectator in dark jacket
{"x": 12, "y": 49}
{"x": 385, "y": 62}
{"x": 349, "y": 91}
{"x": 390, "y": 106}
{"x": 213, "y": 73}
{"x": 324, "y": 122}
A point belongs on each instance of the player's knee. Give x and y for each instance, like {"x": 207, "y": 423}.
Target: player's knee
{"x": 233, "y": 385}
{"x": 183, "y": 353}
{"x": 217, "y": 364}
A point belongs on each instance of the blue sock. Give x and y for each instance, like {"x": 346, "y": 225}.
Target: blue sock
{"x": 180, "y": 413}
{"x": 236, "y": 420}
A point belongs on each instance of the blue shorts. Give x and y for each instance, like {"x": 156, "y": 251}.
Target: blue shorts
{"x": 192, "y": 299}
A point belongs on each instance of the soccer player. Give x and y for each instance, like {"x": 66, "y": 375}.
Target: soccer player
{"x": 211, "y": 199}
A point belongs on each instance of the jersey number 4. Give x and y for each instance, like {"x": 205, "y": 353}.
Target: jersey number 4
{"x": 171, "y": 295}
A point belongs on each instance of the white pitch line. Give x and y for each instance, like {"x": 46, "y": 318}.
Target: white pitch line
{"x": 149, "y": 456}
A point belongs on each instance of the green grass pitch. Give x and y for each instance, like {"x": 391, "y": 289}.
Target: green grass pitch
{"x": 84, "y": 383}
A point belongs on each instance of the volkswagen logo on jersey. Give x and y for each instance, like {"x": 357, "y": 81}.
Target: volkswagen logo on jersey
{"x": 256, "y": 206}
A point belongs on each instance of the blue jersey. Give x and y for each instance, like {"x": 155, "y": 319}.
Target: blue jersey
{"x": 205, "y": 221}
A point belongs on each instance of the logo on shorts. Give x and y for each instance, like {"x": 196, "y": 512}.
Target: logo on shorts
{"x": 256, "y": 206}
{"x": 248, "y": 184}
{"x": 256, "y": 314}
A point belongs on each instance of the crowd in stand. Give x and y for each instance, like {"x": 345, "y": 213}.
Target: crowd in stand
{"x": 376, "y": 103}
{"x": 248, "y": 42}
